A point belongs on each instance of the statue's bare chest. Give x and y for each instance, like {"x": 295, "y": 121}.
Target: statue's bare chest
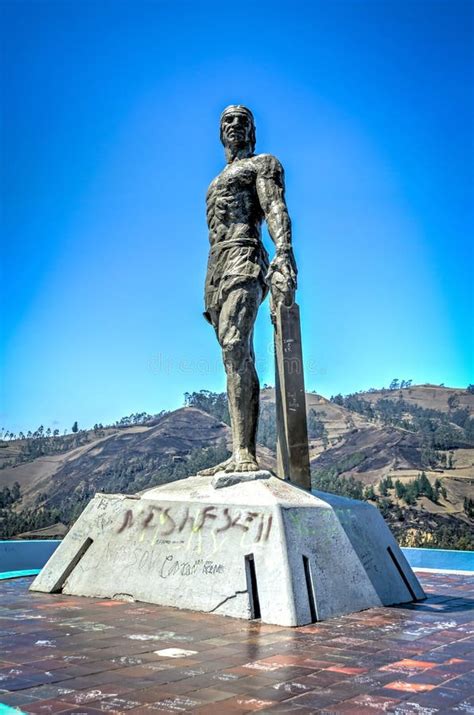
{"x": 232, "y": 198}
{"x": 239, "y": 177}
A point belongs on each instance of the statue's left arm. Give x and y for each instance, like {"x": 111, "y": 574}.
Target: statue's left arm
{"x": 271, "y": 193}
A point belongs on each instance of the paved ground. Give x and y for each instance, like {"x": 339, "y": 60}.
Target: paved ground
{"x": 78, "y": 655}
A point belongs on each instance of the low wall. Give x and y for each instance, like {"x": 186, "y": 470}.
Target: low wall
{"x": 25, "y": 555}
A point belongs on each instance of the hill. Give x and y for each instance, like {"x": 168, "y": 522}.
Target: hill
{"x": 57, "y": 485}
{"x": 410, "y": 451}
{"x": 428, "y": 397}
{"x": 413, "y": 450}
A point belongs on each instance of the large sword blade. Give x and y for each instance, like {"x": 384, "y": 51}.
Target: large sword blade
{"x": 292, "y": 429}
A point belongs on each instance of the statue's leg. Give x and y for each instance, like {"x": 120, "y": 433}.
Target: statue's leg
{"x": 210, "y": 471}
{"x": 235, "y": 334}
{"x": 234, "y": 329}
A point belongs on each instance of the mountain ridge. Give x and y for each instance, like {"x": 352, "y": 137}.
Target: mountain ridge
{"x": 371, "y": 437}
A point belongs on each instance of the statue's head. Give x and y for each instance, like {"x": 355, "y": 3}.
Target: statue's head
{"x": 238, "y": 129}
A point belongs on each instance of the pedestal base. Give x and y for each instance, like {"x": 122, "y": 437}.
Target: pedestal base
{"x": 258, "y": 548}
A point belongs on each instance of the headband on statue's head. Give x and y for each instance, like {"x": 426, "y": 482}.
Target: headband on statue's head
{"x": 240, "y": 109}
{"x": 237, "y": 109}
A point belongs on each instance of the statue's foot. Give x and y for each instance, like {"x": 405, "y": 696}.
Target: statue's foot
{"x": 243, "y": 461}
{"x": 213, "y": 470}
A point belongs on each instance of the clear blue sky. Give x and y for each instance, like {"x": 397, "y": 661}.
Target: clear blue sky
{"x": 110, "y": 138}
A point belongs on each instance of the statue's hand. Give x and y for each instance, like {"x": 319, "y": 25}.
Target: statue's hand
{"x": 281, "y": 277}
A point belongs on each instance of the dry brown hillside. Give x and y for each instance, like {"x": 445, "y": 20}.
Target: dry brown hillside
{"x": 344, "y": 443}
{"x": 434, "y": 397}
{"x": 118, "y": 456}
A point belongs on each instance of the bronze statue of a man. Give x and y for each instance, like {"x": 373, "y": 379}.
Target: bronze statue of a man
{"x": 248, "y": 190}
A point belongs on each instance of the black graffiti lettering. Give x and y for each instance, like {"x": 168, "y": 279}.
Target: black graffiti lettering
{"x": 185, "y": 520}
{"x": 269, "y": 528}
{"x": 165, "y": 516}
{"x": 165, "y": 562}
{"x": 260, "y": 528}
{"x": 222, "y": 519}
{"x": 205, "y": 514}
{"x": 231, "y": 522}
{"x": 149, "y": 517}
{"x": 127, "y": 522}
{"x": 174, "y": 567}
{"x": 211, "y": 568}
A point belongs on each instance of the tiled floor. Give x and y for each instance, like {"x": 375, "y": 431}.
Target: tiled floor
{"x": 63, "y": 654}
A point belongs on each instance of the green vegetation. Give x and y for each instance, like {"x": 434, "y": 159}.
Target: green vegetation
{"x": 330, "y": 479}
{"x": 369, "y": 493}
{"x": 136, "y": 418}
{"x": 469, "y": 507}
{"x": 266, "y": 434}
{"x": 439, "y": 435}
{"x": 13, "y": 523}
{"x": 411, "y": 527}
{"x": 41, "y": 442}
{"x": 316, "y": 427}
{"x": 439, "y": 431}
{"x": 397, "y": 384}
{"x": 421, "y": 486}
{"x": 416, "y": 529}
{"x": 130, "y": 476}
{"x": 9, "y": 496}
{"x": 214, "y": 403}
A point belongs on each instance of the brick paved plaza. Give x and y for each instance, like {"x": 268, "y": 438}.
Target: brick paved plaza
{"x": 63, "y": 654}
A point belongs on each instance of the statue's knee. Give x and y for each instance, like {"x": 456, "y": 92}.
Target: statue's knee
{"x": 233, "y": 351}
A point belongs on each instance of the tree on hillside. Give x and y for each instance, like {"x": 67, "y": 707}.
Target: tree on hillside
{"x": 400, "y": 489}
{"x": 316, "y": 428}
{"x": 369, "y": 493}
{"x": 453, "y": 401}
{"x": 214, "y": 403}
{"x": 136, "y": 418}
{"x": 16, "y": 492}
{"x": 425, "y": 487}
{"x": 469, "y": 507}
{"x": 470, "y": 389}
{"x": 266, "y": 434}
{"x": 75, "y": 428}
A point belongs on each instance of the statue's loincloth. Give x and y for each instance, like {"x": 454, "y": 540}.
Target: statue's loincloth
{"x": 232, "y": 263}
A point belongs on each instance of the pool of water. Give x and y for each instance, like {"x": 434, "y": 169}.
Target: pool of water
{"x": 25, "y": 554}
{"x": 4, "y": 709}
{"x": 18, "y": 574}
{"x": 440, "y": 559}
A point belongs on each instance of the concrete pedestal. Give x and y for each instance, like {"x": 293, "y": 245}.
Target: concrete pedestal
{"x": 251, "y": 548}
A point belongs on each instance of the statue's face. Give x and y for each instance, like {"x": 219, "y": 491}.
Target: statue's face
{"x": 236, "y": 129}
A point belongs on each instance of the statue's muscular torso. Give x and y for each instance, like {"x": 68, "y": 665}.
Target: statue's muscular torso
{"x": 245, "y": 192}
{"x": 233, "y": 199}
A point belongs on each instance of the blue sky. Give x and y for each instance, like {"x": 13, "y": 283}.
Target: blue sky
{"x": 110, "y": 138}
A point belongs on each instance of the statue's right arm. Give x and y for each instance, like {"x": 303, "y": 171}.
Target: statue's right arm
{"x": 271, "y": 193}
{"x": 211, "y": 205}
